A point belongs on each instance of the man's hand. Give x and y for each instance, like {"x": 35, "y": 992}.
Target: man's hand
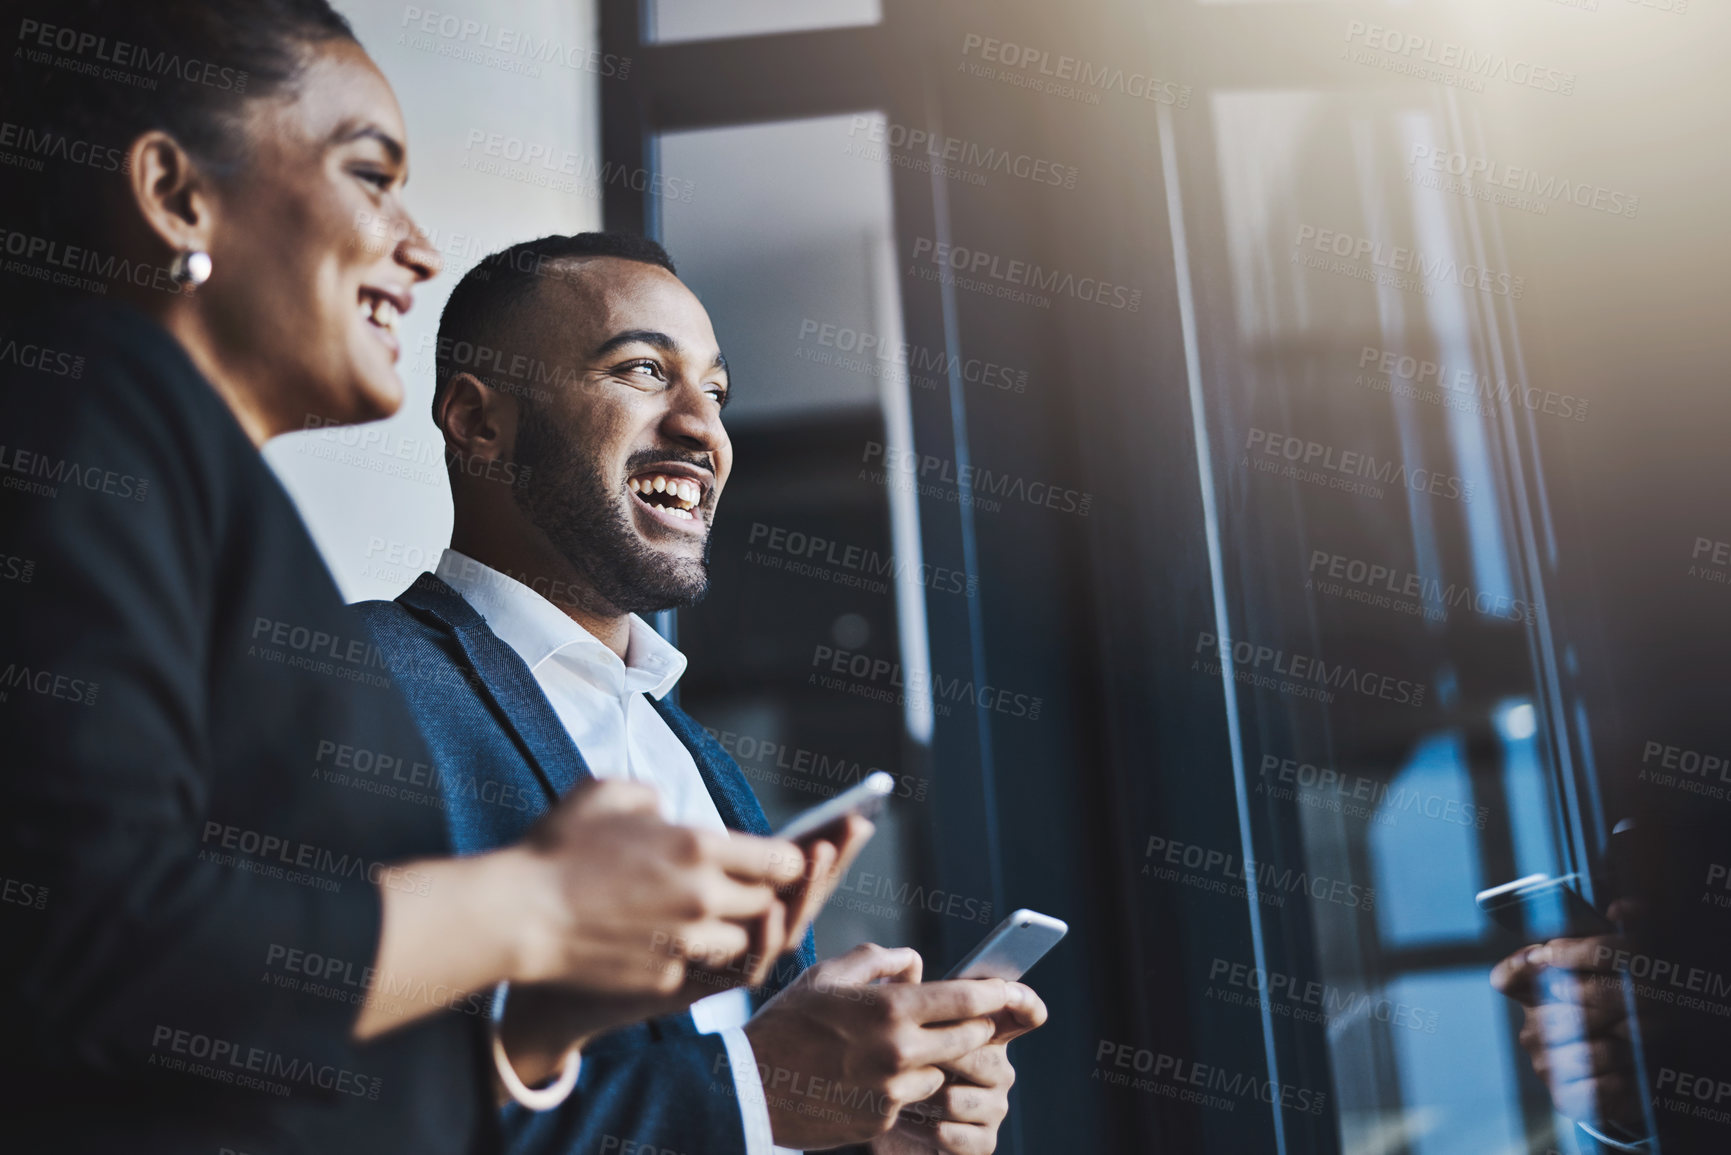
{"x": 627, "y": 900}
{"x": 1576, "y": 1032}
{"x": 841, "y": 1052}
{"x": 963, "y": 1118}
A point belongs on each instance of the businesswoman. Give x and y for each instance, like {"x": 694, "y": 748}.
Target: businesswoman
{"x": 228, "y": 918}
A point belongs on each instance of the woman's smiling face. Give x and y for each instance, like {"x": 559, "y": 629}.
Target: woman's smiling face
{"x": 315, "y": 255}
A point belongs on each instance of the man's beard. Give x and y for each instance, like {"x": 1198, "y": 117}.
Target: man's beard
{"x": 567, "y": 499}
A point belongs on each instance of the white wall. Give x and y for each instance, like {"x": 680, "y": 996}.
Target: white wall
{"x": 375, "y": 497}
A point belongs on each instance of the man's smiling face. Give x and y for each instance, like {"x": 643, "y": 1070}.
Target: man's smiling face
{"x": 627, "y": 450}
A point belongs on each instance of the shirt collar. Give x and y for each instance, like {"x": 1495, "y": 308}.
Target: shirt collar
{"x": 537, "y": 629}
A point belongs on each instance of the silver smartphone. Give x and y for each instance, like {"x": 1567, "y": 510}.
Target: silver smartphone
{"x": 1012, "y": 947}
{"x": 865, "y": 798}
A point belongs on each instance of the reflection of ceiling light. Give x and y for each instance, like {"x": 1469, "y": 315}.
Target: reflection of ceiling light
{"x": 1518, "y": 721}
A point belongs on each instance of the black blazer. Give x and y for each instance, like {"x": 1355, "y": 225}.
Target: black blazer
{"x": 188, "y": 909}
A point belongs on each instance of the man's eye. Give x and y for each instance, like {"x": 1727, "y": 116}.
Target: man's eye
{"x": 650, "y": 367}
{"x": 379, "y": 180}
{"x": 719, "y": 392}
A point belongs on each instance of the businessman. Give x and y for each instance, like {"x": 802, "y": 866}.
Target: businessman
{"x": 580, "y": 393}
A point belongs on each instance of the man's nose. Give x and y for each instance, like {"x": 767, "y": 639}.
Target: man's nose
{"x": 694, "y": 419}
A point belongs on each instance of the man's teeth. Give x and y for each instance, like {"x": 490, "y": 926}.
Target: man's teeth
{"x": 381, "y": 311}
{"x": 682, "y": 493}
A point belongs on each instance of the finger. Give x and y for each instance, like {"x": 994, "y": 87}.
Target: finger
{"x": 987, "y": 1066}
{"x": 1025, "y": 1012}
{"x": 809, "y": 897}
{"x": 712, "y": 943}
{"x": 961, "y": 1103}
{"x": 723, "y": 897}
{"x": 1557, "y": 1023}
{"x": 949, "y": 1041}
{"x": 868, "y": 962}
{"x": 1581, "y": 954}
{"x": 770, "y": 940}
{"x": 1590, "y": 1060}
{"x": 966, "y": 1139}
{"x": 849, "y": 837}
{"x": 751, "y": 859}
{"x": 947, "y": 1001}
{"x": 1514, "y": 976}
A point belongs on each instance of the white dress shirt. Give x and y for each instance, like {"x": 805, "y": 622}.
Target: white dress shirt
{"x": 600, "y": 701}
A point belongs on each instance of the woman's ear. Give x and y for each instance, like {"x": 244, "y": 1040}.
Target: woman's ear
{"x": 171, "y": 193}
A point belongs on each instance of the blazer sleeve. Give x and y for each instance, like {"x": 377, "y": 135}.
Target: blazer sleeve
{"x": 676, "y": 1094}
{"x": 107, "y": 779}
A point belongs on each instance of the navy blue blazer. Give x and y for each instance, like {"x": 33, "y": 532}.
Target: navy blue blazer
{"x": 501, "y": 757}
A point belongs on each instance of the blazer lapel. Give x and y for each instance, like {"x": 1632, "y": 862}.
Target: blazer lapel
{"x": 505, "y": 678}
{"x": 727, "y": 786}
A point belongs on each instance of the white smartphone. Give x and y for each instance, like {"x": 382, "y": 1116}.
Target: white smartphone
{"x": 1012, "y": 947}
{"x": 865, "y": 798}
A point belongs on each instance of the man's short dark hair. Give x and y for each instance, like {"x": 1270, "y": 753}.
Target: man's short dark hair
{"x": 475, "y": 316}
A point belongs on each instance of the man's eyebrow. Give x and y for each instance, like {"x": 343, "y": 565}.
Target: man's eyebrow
{"x": 371, "y": 131}
{"x": 652, "y": 337}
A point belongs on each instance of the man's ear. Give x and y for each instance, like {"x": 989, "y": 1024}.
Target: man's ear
{"x": 172, "y": 194}
{"x": 477, "y": 420}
